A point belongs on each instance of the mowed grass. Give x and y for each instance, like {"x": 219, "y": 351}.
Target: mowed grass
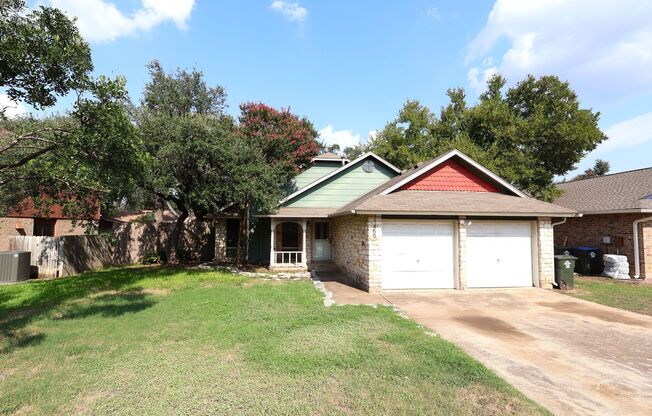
{"x": 631, "y": 296}
{"x": 171, "y": 341}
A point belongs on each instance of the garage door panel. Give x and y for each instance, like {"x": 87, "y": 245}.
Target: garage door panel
{"x": 499, "y": 254}
{"x": 418, "y": 255}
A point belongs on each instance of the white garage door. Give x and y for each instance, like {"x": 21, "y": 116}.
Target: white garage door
{"x": 499, "y": 254}
{"x": 418, "y": 255}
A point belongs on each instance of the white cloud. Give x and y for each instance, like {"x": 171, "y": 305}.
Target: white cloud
{"x": 12, "y": 109}
{"x": 100, "y": 20}
{"x": 294, "y": 12}
{"x": 601, "y": 47}
{"x": 628, "y": 133}
{"x": 345, "y": 138}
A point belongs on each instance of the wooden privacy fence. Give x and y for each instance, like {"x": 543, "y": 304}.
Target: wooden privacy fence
{"x": 46, "y": 259}
{"x": 65, "y": 256}
{"x": 129, "y": 244}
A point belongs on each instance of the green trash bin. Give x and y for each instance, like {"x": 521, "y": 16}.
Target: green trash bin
{"x": 564, "y": 268}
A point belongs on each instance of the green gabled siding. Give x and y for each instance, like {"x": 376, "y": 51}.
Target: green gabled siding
{"x": 318, "y": 170}
{"x": 344, "y": 187}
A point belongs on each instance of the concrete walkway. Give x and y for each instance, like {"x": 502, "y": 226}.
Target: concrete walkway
{"x": 571, "y": 356}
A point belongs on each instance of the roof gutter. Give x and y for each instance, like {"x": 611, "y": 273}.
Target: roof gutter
{"x": 475, "y": 214}
{"x": 578, "y": 215}
{"x": 620, "y": 211}
{"x": 637, "y": 257}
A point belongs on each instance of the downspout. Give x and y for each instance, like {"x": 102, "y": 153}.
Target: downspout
{"x": 637, "y": 259}
{"x": 554, "y": 224}
{"x": 559, "y": 223}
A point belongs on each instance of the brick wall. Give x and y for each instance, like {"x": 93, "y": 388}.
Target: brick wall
{"x": 309, "y": 236}
{"x": 590, "y": 229}
{"x": 546, "y": 252}
{"x": 134, "y": 241}
{"x": 8, "y": 229}
{"x": 69, "y": 227}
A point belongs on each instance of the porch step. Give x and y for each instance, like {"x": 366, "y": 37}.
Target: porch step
{"x": 324, "y": 266}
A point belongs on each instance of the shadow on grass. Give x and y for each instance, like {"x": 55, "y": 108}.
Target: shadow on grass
{"x": 110, "y": 306}
{"x": 25, "y": 302}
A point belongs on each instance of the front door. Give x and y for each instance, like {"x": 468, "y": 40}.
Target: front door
{"x": 321, "y": 243}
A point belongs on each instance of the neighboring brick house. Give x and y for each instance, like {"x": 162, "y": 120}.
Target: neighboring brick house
{"x": 26, "y": 220}
{"x": 616, "y": 216}
{"x": 447, "y": 223}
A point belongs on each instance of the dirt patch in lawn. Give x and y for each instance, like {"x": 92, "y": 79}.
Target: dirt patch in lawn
{"x": 493, "y": 326}
{"x": 86, "y": 402}
{"x": 594, "y": 312}
{"x": 482, "y": 401}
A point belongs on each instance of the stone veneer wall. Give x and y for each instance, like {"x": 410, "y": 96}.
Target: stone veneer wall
{"x": 546, "y": 252}
{"x": 590, "y": 229}
{"x": 220, "y": 239}
{"x": 351, "y": 247}
{"x": 646, "y": 250}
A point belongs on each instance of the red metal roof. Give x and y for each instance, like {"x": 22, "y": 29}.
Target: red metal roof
{"x": 27, "y": 209}
{"x": 450, "y": 176}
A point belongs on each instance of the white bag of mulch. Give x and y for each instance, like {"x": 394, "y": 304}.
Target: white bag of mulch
{"x": 615, "y": 266}
{"x": 614, "y": 258}
{"x": 616, "y": 275}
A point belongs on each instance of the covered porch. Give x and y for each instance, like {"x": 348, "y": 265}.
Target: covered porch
{"x": 297, "y": 243}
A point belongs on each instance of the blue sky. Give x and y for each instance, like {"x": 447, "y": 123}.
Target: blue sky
{"x": 349, "y": 65}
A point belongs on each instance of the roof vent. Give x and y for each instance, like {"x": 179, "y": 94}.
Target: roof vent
{"x": 368, "y": 166}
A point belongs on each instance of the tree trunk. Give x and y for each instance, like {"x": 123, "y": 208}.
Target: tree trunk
{"x": 242, "y": 235}
{"x": 174, "y": 243}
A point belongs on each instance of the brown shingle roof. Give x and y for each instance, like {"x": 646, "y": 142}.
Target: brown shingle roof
{"x": 458, "y": 203}
{"x": 329, "y": 155}
{"x": 626, "y": 191}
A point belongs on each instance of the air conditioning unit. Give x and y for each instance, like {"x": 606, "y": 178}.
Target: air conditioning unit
{"x": 14, "y": 266}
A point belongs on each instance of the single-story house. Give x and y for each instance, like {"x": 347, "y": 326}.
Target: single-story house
{"x": 446, "y": 223}
{"x": 616, "y": 216}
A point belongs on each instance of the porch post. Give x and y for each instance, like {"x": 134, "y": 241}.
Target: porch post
{"x": 271, "y": 243}
{"x": 303, "y": 246}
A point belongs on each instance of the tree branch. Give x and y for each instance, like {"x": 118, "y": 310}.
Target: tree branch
{"x": 26, "y": 159}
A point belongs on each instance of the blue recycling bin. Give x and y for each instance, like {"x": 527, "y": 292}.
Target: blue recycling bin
{"x": 589, "y": 260}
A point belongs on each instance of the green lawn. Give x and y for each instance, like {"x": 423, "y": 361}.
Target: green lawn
{"x": 171, "y": 341}
{"x": 632, "y": 296}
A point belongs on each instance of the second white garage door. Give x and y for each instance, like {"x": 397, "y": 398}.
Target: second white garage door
{"x": 418, "y": 255}
{"x": 499, "y": 254}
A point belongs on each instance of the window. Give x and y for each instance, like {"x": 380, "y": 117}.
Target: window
{"x": 290, "y": 239}
{"x": 44, "y": 227}
{"x": 322, "y": 231}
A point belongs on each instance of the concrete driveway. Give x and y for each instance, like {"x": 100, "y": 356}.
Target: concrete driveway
{"x": 571, "y": 356}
